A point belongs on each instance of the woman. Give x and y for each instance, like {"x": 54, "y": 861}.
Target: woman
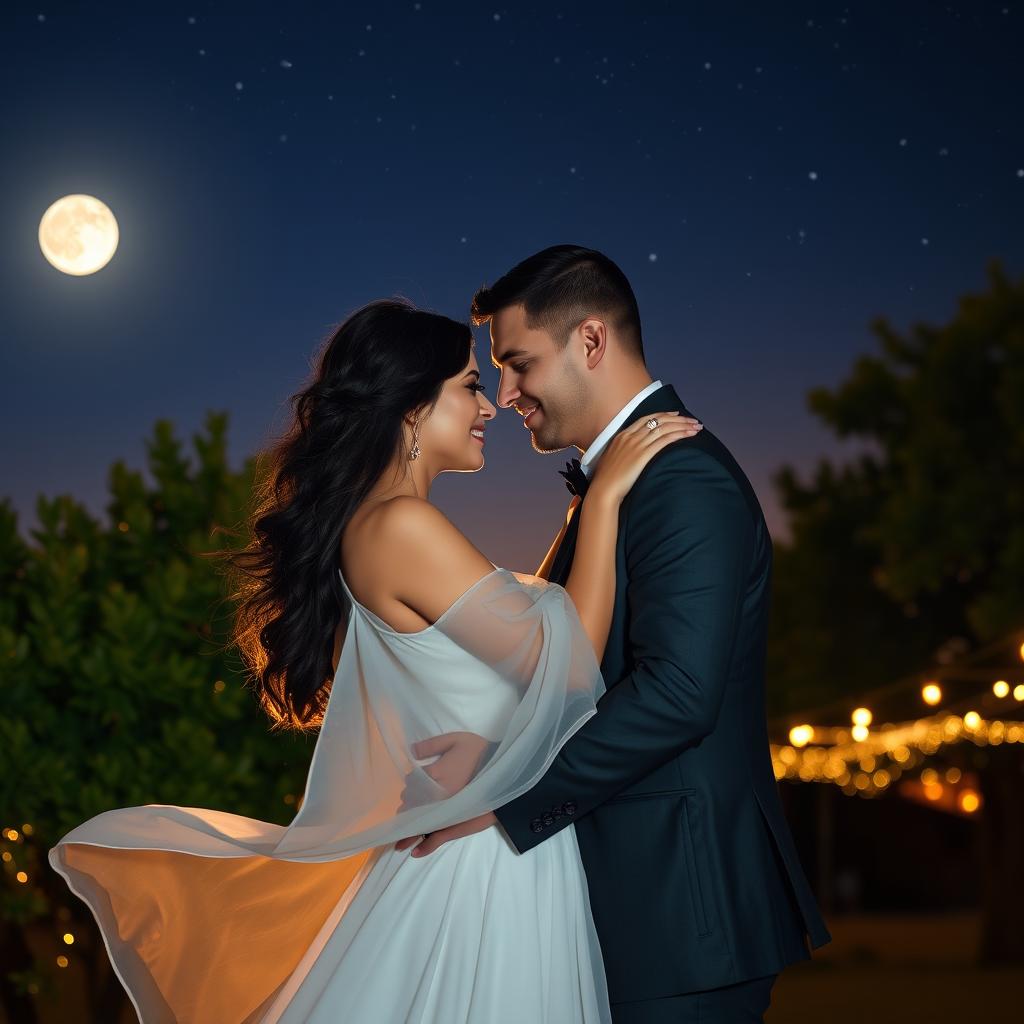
{"x": 365, "y": 613}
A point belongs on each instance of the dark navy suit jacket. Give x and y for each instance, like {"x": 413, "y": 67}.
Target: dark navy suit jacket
{"x": 694, "y": 879}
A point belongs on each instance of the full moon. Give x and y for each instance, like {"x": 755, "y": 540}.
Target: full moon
{"x": 78, "y": 234}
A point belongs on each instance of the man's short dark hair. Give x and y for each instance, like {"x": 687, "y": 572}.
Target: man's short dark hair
{"x": 559, "y": 287}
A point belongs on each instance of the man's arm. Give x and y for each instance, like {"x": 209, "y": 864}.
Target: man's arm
{"x": 689, "y": 548}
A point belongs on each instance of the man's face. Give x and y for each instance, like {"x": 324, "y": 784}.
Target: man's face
{"x": 542, "y": 382}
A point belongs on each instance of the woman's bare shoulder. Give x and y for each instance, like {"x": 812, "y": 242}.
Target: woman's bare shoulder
{"x": 419, "y": 556}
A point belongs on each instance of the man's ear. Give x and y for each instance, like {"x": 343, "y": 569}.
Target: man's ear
{"x": 595, "y": 340}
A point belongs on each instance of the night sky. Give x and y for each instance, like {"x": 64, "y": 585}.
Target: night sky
{"x": 770, "y": 181}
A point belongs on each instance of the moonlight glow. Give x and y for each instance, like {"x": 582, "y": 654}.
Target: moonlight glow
{"x": 78, "y": 234}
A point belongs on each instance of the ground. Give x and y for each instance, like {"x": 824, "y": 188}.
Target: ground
{"x": 898, "y": 970}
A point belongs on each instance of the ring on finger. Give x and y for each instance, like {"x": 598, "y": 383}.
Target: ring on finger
{"x": 652, "y": 423}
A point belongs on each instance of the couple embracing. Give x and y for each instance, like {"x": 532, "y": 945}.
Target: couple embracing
{"x": 538, "y": 797}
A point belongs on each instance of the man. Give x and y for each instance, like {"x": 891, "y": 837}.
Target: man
{"x": 697, "y": 892}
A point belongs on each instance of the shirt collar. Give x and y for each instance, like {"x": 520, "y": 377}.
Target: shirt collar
{"x": 598, "y": 445}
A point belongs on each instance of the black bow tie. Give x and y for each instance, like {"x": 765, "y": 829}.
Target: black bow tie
{"x": 575, "y": 479}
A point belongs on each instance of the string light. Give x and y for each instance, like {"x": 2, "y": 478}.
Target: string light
{"x": 872, "y": 764}
{"x": 68, "y": 938}
{"x": 865, "y": 759}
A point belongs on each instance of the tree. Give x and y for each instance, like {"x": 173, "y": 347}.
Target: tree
{"x": 119, "y": 689}
{"x": 917, "y": 547}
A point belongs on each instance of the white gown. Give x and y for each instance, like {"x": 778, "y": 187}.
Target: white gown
{"x": 213, "y": 918}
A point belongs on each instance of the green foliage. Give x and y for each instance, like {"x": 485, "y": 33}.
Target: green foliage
{"x": 119, "y": 686}
{"x": 919, "y": 543}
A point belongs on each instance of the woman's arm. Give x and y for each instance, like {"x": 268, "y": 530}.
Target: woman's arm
{"x": 591, "y": 582}
{"x": 545, "y": 567}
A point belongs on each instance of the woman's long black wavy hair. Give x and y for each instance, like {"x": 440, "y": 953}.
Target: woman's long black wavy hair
{"x": 388, "y": 359}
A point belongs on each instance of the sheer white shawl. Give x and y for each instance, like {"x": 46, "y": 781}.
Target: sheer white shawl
{"x": 210, "y": 917}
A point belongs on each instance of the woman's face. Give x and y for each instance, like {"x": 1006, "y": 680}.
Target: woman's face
{"x": 452, "y": 434}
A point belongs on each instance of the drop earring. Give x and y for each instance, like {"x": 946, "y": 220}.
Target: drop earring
{"x": 414, "y": 452}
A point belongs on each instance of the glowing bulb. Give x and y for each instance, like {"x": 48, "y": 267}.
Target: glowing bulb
{"x": 1021, "y": 652}
{"x": 862, "y": 717}
{"x": 1018, "y": 692}
{"x": 969, "y": 801}
{"x": 972, "y": 720}
{"x": 1000, "y": 687}
{"x": 953, "y": 775}
{"x": 933, "y": 792}
{"x": 860, "y": 733}
{"x": 801, "y": 735}
{"x": 21, "y": 876}
{"x": 929, "y": 777}
{"x": 62, "y": 961}
{"x": 68, "y": 938}
{"x": 931, "y": 694}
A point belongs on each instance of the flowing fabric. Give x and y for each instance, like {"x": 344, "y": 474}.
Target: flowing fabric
{"x": 214, "y": 918}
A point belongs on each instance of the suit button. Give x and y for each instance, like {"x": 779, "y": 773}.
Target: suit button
{"x": 536, "y": 826}
{"x": 548, "y": 818}
{"x": 569, "y": 807}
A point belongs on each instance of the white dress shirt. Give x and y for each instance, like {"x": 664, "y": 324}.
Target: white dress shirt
{"x": 598, "y": 445}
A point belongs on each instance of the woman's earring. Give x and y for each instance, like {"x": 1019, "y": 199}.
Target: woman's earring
{"x": 414, "y": 452}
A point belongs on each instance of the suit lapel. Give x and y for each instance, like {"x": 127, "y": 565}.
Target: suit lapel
{"x": 662, "y": 399}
